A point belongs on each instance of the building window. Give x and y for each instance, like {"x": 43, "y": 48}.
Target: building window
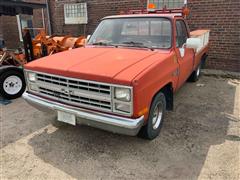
{"x": 24, "y": 22}
{"x": 159, "y": 4}
{"x": 75, "y": 13}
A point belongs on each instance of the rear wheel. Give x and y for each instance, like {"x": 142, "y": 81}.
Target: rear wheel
{"x": 195, "y": 75}
{"x": 156, "y": 115}
{"x": 12, "y": 84}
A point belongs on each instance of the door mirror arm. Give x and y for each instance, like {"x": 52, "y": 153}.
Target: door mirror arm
{"x": 88, "y": 37}
{"x": 184, "y": 45}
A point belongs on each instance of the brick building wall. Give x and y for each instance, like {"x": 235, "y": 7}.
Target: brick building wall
{"x": 9, "y": 31}
{"x": 97, "y": 9}
{"x": 222, "y": 17}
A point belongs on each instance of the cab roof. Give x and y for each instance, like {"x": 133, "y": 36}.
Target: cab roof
{"x": 166, "y": 15}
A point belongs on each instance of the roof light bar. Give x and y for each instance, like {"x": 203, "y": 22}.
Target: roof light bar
{"x": 168, "y": 7}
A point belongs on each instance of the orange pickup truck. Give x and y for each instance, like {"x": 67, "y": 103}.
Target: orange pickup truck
{"x": 124, "y": 79}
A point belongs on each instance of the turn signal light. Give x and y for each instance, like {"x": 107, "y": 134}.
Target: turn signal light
{"x": 151, "y": 6}
{"x": 186, "y": 11}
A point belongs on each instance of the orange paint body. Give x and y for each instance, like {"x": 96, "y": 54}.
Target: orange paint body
{"x": 145, "y": 70}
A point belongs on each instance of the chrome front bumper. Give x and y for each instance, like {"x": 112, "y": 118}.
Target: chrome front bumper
{"x": 116, "y": 124}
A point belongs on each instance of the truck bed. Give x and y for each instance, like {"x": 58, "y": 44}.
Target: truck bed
{"x": 203, "y": 35}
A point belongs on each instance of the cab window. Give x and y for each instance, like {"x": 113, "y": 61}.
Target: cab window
{"x": 152, "y": 32}
{"x": 182, "y": 33}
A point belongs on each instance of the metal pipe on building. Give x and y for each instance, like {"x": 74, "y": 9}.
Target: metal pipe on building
{"x": 43, "y": 19}
{"x": 49, "y": 20}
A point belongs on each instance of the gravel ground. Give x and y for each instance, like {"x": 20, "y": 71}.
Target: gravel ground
{"x": 200, "y": 139}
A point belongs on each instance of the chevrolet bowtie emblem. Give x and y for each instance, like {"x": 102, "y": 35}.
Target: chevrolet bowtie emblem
{"x": 66, "y": 91}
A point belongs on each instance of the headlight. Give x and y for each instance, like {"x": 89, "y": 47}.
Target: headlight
{"x": 122, "y": 94}
{"x": 32, "y": 77}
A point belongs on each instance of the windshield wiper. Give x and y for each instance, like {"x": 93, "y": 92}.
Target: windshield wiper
{"x": 136, "y": 44}
{"x": 100, "y": 43}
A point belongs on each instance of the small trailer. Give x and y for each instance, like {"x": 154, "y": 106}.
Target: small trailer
{"x": 12, "y": 82}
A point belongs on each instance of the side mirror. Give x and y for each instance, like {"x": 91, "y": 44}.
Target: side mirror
{"x": 88, "y": 37}
{"x": 194, "y": 43}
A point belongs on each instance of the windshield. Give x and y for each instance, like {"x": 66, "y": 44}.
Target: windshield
{"x": 133, "y": 32}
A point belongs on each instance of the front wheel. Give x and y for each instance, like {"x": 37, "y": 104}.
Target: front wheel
{"x": 156, "y": 115}
{"x": 12, "y": 84}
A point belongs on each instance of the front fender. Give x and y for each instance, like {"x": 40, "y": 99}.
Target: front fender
{"x": 9, "y": 67}
{"x": 151, "y": 82}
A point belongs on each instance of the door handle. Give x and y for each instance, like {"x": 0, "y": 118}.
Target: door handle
{"x": 182, "y": 52}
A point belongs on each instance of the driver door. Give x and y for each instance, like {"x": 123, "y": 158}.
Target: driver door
{"x": 185, "y": 56}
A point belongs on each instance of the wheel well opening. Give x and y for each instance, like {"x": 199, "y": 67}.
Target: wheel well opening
{"x": 167, "y": 90}
{"x": 203, "y": 60}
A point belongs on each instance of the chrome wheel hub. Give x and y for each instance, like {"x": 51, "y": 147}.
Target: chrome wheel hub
{"x": 198, "y": 71}
{"x": 12, "y": 85}
{"x": 157, "y": 116}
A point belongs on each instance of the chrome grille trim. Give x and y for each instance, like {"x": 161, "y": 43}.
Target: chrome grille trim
{"x": 76, "y": 84}
{"x": 76, "y": 92}
{"x": 77, "y": 99}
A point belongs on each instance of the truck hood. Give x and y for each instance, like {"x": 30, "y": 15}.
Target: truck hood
{"x": 97, "y": 64}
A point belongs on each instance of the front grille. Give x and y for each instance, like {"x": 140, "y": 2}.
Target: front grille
{"x": 77, "y": 92}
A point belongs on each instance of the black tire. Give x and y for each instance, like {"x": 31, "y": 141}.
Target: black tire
{"x": 149, "y": 131}
{"x": 12, "y": 73}
{"x": 195, "y": 74}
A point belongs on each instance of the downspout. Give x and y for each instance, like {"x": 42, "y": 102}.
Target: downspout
{"x": 49, "y": 19}
{"x": 43, "y": 19}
